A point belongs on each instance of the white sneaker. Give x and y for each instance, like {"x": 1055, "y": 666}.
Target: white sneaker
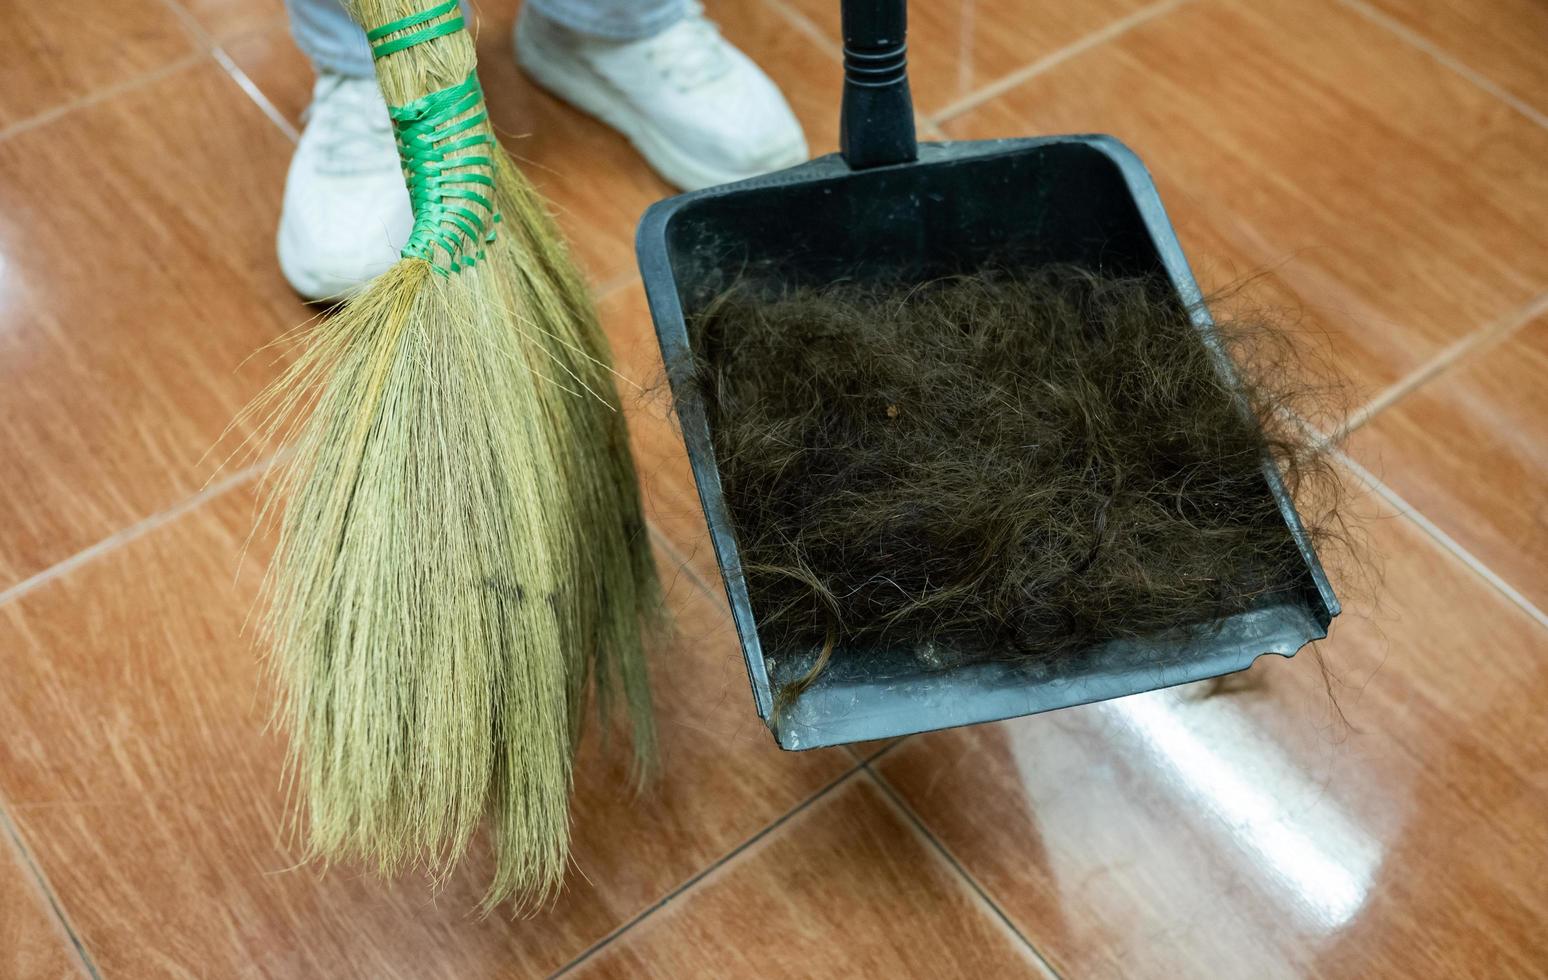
{"x": 698, "y": 110}
{"x": 346, "y": 212}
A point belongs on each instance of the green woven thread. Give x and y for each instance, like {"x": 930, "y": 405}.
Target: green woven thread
{"x": 430, "y": 135}
{"x": 445, "y": 174}
{"x": 442, "y": 29}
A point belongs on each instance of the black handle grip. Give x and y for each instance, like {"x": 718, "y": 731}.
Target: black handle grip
{"x": 876, "y": 123}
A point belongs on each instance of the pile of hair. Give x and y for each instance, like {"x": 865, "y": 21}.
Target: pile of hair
{"x": 1022, "y": 465}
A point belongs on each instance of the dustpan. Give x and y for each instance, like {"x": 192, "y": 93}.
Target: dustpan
{"x": 888, "y": 207}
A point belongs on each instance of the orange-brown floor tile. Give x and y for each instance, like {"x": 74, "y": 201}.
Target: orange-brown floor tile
{"x": 811, "y": 77}
{"x": 1265, "y": 833}
{"x": 1374, "y": 181}
{"x": 1502, "y": 39}
{"x": 846, "y": 888}
{"x": 141, "y": 774}
{"x": 670, "y": 495}
{"x": 59, "y": 52}
{"x": 277, "y": 67}
{"x": 666, "y": 479}
{"x": 223, "y": 19}
{"x": 1256, "y": 833}
{"x": 955, "y": 47}
{"x": 32, "y": 944}
{"x": 1469, "y": 450}
{"x": 135, "y": 289}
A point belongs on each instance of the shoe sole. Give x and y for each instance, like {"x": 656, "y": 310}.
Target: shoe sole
{"x": 572, "y": 81}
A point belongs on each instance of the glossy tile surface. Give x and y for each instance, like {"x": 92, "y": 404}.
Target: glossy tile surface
{"x": 57, "y": 53}
{"x": 277, "y": 67}
{"x": 955, "y": 47}
{"x": 32, "y": 944}
{"x": 1392, "y": 205}
{"x": 846, "y": 882}
{"x": 121, "y": 365}
{"x": 1374, "y": 181}
{"x": 1500, "y": 39}
{"x": 666, "y": 481}
{"x": 138, "y": 769}
{"x": 1259, "y": 833}
{"x": 224, "y": 19}
{"x": 1469, "y": 450}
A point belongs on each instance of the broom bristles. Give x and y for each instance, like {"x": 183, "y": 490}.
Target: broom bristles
{"x": 462, "y": 559}
{"x": 625, "y": 598}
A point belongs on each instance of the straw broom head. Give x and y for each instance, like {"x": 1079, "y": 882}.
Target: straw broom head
{"x": 461, "y": 555}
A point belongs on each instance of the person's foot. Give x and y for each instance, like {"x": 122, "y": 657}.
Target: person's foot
{"x": 346, "y": 212}
{"x": 698, "y": 110}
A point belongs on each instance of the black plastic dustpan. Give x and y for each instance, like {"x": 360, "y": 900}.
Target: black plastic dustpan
{"x": 886, "y": 207}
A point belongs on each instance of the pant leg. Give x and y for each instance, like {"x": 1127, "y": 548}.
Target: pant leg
{"x": 325, "y": 33}
{"x": 617, "y": 20}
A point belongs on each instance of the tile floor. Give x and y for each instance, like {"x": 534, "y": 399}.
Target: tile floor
{"x": 1384, "y": 162}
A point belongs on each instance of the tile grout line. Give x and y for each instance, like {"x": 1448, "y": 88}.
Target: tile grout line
{"x": 193, "y": 32}
{"x": 913, "y": 819}
{"x": 149, "y": 524}
{"x": 1418, "y": 41}
{"x": 24, "y": 854}
{"x": 867, "y": 759}
{"x": 102, "y": 95}
{"x": 190, "y": 23}
{"x": 889, "y": 747}
{"x": 835, "y": 51}
{"x": 683, "y": 567}
{"x": 932, "y": 129}
{"x": 208, "y": 492}
{"x": 1025, "y": 73}
{"x": 214, "y": 46}
{"x": 1321, "y": 442}
{"x": 805, "y": 25}
{"x": 930, "y": 123}
{"x": 253, "y": 92}
{"x": 127, "y": 534}
{"x": 1445, "y": 541}
{"x": 1480, "y": 339}
{"x": 708, "y": 870}
{"x": 604, "y": 291}
{"x": 83, "y": 958}
{"x": 918, "y": 825}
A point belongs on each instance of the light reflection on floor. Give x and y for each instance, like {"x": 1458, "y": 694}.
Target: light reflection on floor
{"x": 1255, "y": 790}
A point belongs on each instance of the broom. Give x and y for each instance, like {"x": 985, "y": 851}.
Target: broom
{"x": 462, "y": 558}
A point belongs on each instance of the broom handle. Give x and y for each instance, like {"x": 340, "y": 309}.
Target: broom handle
{"x": 876, "y": 122}
{"x": 425, "y": 67}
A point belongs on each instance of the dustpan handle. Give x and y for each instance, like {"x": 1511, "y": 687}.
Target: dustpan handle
{"x": 876, "y": 123}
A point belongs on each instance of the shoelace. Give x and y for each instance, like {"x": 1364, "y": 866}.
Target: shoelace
{"x": 691, "y": 52}
{"x": 353, "y": 123}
